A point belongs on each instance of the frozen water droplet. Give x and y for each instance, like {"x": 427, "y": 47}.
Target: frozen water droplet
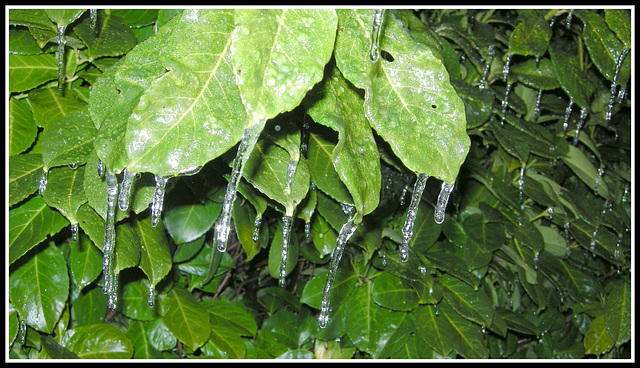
{"x": 550, "y": 211}
{"x": 404, "y": 193}
{"x": 62, "y": 41}
{"x": 287, "y": 224}
{"x": 304, "y": 136}
{"x": 443, "y": 199}
{"x": 158, "y": 199}
{"x": 100, "y": 168}
{"x": 256, "y": 228}
{"x": 484, "y": 329}
{"x": 521, "y": 185}
{"x": 376, "y": 31}
{"x": 536, "y": 259}
{"x": 291, "y": 171}
{"x": 598, "y": 179}
{"x": 567, "y": 115}
{"x": 407, "y": 229}
{"x": 423, "y": 270}
{"x": 383, "y": 257}
{"x": 93, "y": 17}
{"x": 625, "y": 195}
{"x": 505, "y": 103}
{"x": 74, "y": 231}
{"x": 128, "y": 179}
{"x": 343, "y": 237}
{"x": 536, "y": 111}
{"x": 583, "y": 116}
{"x": 42, "y": 183}
{"x": 614, "y": 83}
{"x": 569, "y": 18}
{"x": 22, "y": 331}
{"x": 152, "y": 296}
{"x": 436, "y": 311}
{"x": 223, "y": 225}
{"x": 487, "y": 67}
{"x": 622, "y": 94}
{"x": 307, "y": 229}
{"x": 506, "y": 67}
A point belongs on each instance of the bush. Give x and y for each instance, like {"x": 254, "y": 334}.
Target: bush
{"x": 273, "y": 183}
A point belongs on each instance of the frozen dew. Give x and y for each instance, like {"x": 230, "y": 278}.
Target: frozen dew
{"x": 223, "y": 225}
{"x": 569, "y": 18}
{"x": 536, "y": 111}
{"x": 304, "y": 137}
{"x": 62, "y": 41}
{"x": 583, "y": 116}
{"x": 614, "y": 83}
{"x": 287, "y": 224}
{"x": 551, "y": 212}
{"x": 93, "y": 17}
{"x": 109, "y": 243}
{"x": 128, "y": 179}
{"x": 505, "y": 102}
{"x": 407, "y": 229}
{"x": 158, "y": 199}
{"x": 625, "y": 195}
{"x": 487, "y": 67}
{"x": 567, "y": 115}
{"x": 152, "y": 296}
{"x": 345, "y": 233}
{"x": 42, "y": 182}
{"x": 506, "y": 67}
{"x": 443, "y": 199}
{"x": 376, "y": 31}
{"x": 307, "y": 229}
{"x": 74, "y": 231}
{"x": 404, "y": 193}
{"x": 256, "y": 228}
{"x": 598, "y": 180}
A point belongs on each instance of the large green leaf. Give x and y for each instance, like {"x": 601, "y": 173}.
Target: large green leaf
{"x": 85, "y": 261}
{"x": 30, "y": 71}
{"x": 618, "y": 311}
{"x": 188, "y": 222}
{"x": 572, "y": 78}
{"x": 435, "y": 331}
{"x": 112, "y": 38}
{"x": 186, "y": 318}
{"x": 466, "y": 336}
{"x": 31, "y": 223}
{"x": 278, "y": 55}
{"x": 142, "y": 347}
{"x": 390, "y": 292}
{"x": 355, "y": 157}
{"x": 68, "y": 140}
{"x": 65, "y": 191}
{"x": 39, "y": 287}
{"x": 24, "y": 175}
{"x": 531, "y": 36}
{"x": 410, "y": 96}
{"x": 155, "y": 259}
{"x": 22, "y": 130}
{"x": 98, "y": 341}
{"x": 472, "y": 304}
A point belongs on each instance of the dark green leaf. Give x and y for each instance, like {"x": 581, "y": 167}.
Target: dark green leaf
{"x": 98, "y": 341}
{"x": 186, "y": 318}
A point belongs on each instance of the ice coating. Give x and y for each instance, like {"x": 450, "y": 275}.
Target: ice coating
{"x": 158, "y": 199}
{"x": 128, "y": 179}
{"x": 443, "y": 199}
{"x": 407, "y": 229}
{"x": 287, "y": 224}
{"x": 376, "y": 30}
{"x": 110, "y": 286}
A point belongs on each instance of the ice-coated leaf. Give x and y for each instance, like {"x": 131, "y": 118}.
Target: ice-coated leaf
{"x": 598, "y": 340}
{"x": 578, "y": 162}
{"x": 531, "y": 36}
{"x": 266, "y": 170}
{"x": 278, "y": 55}
{"x": 536, "y": 74}
{"x": 68, "y": 140}
{"x": 24, "y": 173}
{"x": 98, "y": 341}
{"x": 574, "y": 81}
{"x": 410, "y": 96}
{"x": 39, "y": 287}
{"x": 65, "y": 191}
{"x": 186, "y": 318}
{"x": 355, "y": 157}
{"x": 477, "y": 102}
{"x": 617, "y": 314}
{"x": 275, "y": 252}
{"x": 244, "y": 219}
{"x": 31, "y": 223}
{"x": 473, "y": 305}
{"x": 155, "y": 259}
{"x": 22, "y": 130}
{"x": 64, "y": 17}
{"x": 619, "y": 21}
{"x": 466, "y": 336}
{"x": 30, "y": 71}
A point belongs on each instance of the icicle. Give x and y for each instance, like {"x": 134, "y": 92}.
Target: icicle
{"x": 622, "y": 94}
{"x": 616, "y": 252}
{"x": 307, "y": 229}
{"x": 256, "y": 228}
{"x": 22, "y": 331}
{"x": 435, "y": 310}
{"x": 125, "y": 190}
{"x": 521, "y": 191}
{"x": 569, "y": 17}
{"x": 376, "y": 30}
{"x": 404, "y": 193}
{"x": 598, "y": 179}
{"x": 583, "y": 116}
{"x": 152, "y": 296}
{"x": 345, "y": 233}
{"x": 158, "y": 199}
{"x": 614, "y": 83}
{"x": 536, "y": 110}
{"x": 223, "y": 225}
{"x": 407, "y": 229}
{"x": 487, "y": 68}
{"x": 74, "y": 231}
{"x": 304, "y": 137}
{"x": 100, "y": 168}
{"x": 505, "y": 69}
{"x": 625, "y": 195}
{"x": 291, "y": 171}
{"x": 567, "y": 115}
{"x": 443, "y": 199}
{"x": 505, "y": 103}
{"x": 93, "y": 16}
{"x": 109, "y": 243}
{"x": 42, "y": 183}
{"x": 536, "y": 259}
{"x": 287, "y": 224}
{"x": 567, "y": 234}
{"x": 551, "y": 212}
{"x": 62, "y": 41}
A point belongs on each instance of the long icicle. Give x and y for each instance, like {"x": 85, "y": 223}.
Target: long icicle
{"x": 287, "y": 224}
{"x": 158, "y": 200}
{"x": 62, "y": 41}
{"x": 109, "y": 243}
{"x": 223, "y": 225}
{"x": 128, "y": 178}
{"x": 614, "y": 83}
{"x": 346, "y": 232}
{"x": 407, "y": 229}
{"x": 376, "y": 31}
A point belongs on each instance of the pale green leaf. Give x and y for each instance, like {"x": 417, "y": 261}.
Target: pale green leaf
{"x": 68, "y": 140}
{"x": 98, "y": 341}
{"x": 24, "y": 175}
{"x": 65, "y": 191}
{"x": 598, "y": 340}
{"x": 30, "y": 71}
{"x": 85, "y": 261}
{"x": 186, "y": 318}
{"x": 50, "y": 105}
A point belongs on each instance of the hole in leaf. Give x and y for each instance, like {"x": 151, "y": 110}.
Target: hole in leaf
{"x": 434, "y": 106}
{"x": 387, "y": 56}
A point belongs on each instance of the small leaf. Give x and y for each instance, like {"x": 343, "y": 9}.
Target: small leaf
{"x": 322, "y": 171}
{"x": 574, "y": 81}
{"x": 186, "y": 318}
{"x": 584, "y": 169}
{"x": 49, "y": 106}
{"x": 22, "y": 130}
{"x": 467, "y": 337}
{"x": 65, "y": 191}
{"x": 390, "y": 292}
{"x": 598, "y": 340}
{"x": 531, "y": 36}
{"x": 24, "y": 175}
{"x": 85, "y": 261}
{"x": 188, "y": 222}
{"x": 98, "y": 341}
{"x": 113, "y": 38}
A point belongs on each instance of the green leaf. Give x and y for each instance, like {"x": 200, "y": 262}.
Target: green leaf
{"x": 322, "y": 171}
{"x": 31, "y": 223}
{"x": 278, "y": 55}
{"x": 619, "y": 21}
{"x": 390, "y": 292}
{"x": 536, "y": 74}
{"x": 275, "y": 252}
{"x": 22, "y": 43}
{"x": 572, "y": 78}
{"x": 223, "y": 312}
{"x": 39, "y": 287}
{"x": 531, "y": 36}
{"x": 98, "y": 341}
{"x": 477, "y": 102}
{"x": 64, "y": 17}
{"x": 487, "y": 235}
{"x": 30, "y": 71}
{"x": 186, "y": 318}
{"x": 24, "y": 175}
{"x": 355, "y": 157}
{"x": 22, "y": 130}
{"x": 578, "y": 162}
{"x": 155, "y": 259}
{"x": 49, "y": 105}
{"x": 266, "y": 170}
{"x": 91, "y": 305}
{"x": 68, "y": 140}
{"x": 598, "y": 340}
{"x": 466, "y": 336}
{"x": 244, "y": 220}
{"x": 112, "y": 38}
{"x": 65, "y": 191}
{"x": 134, "y": 302}
{"x": 142, "y": 347}
{"x": 85, "y": 261}
{"x": 410, "y": 96}
{"x": 472, "y": 304}
{"x": 435, "y": 331}
{"x": 617, "y": 314}
{"x": 188, "y": 222}
{"x": 227, "y": 344}
{"x": 55, "y": 350}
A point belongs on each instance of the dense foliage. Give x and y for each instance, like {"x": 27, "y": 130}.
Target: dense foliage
{"x": 127, "y": 129}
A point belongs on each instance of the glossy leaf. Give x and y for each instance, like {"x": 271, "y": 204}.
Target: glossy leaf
{"x": 155, "y": 259}
{"x": 39, "y": 287}
{"x": 617, "y": 314}
{"x": 112, "y": 38}
{"x": 322, "y": 171}
{"x": 142, "y": 347}
{"x": 24, "y": 173}
{"x": 435, "y": 331}
{"x": 389, "y": 291}
{"x": 188, "y": 222}
{"x": 536, "y": 74}
{"x": 22, "y": 129}
{"x": 65, "y": 191}
{"x": 68, "y": 140}
{"x": 29, "y": 71}
{"x": 531, "y": 36}
{"x": 467, "y": 338}
{"x": 472, "y": 304}
{"x": 598, "y": 340}
{"x": 85, "y": 261}
{"x": 186, "y": 318}
{"x": 578, "y": 162}
{"x": 572, "y": 78}
{"x": 98, "y": 341}
{"x": 49, "y": 105}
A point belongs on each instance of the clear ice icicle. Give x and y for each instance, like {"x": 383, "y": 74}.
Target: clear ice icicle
{"x": 614, "y": 83}
{"x": 93, "y": 17}
{"x": 376, "y": 30}
{"x": 158, "y": 200}
{"x": 443, "y": 199}
{"x": 536, "y": 110}
{"x": 625, "y": 195}
{"x": 567, "y": 115}
{"x": 125, "y": 189}
{"x": 407, "y": 229}
{"x": 109, "y": 242}
{"x": 505, "y": 103}
{"x": 505, "y": 68}
{"x": 223, "y": 225}
{"x": 345, "y": 233}
{"x": 598, "y": 179}
{"x": 62, "y": 41}
{"x": 100, "y": 168}
{"x": 74, "y": 231}
{"x": 304, "y": 137}
{"x": 152, "y": 296}
{"x": 521, "y": 185}
{"x": 487, "y": 67}
{"x": 307, "y": 229}
{"x": 287, "y": 224}
{"x": 583, "y": 116}
{"x": 569, "y": 18}
{"x": 42, "y": 183}
{"x": 291, "y": 172}
{"x": 256, "y": 228}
